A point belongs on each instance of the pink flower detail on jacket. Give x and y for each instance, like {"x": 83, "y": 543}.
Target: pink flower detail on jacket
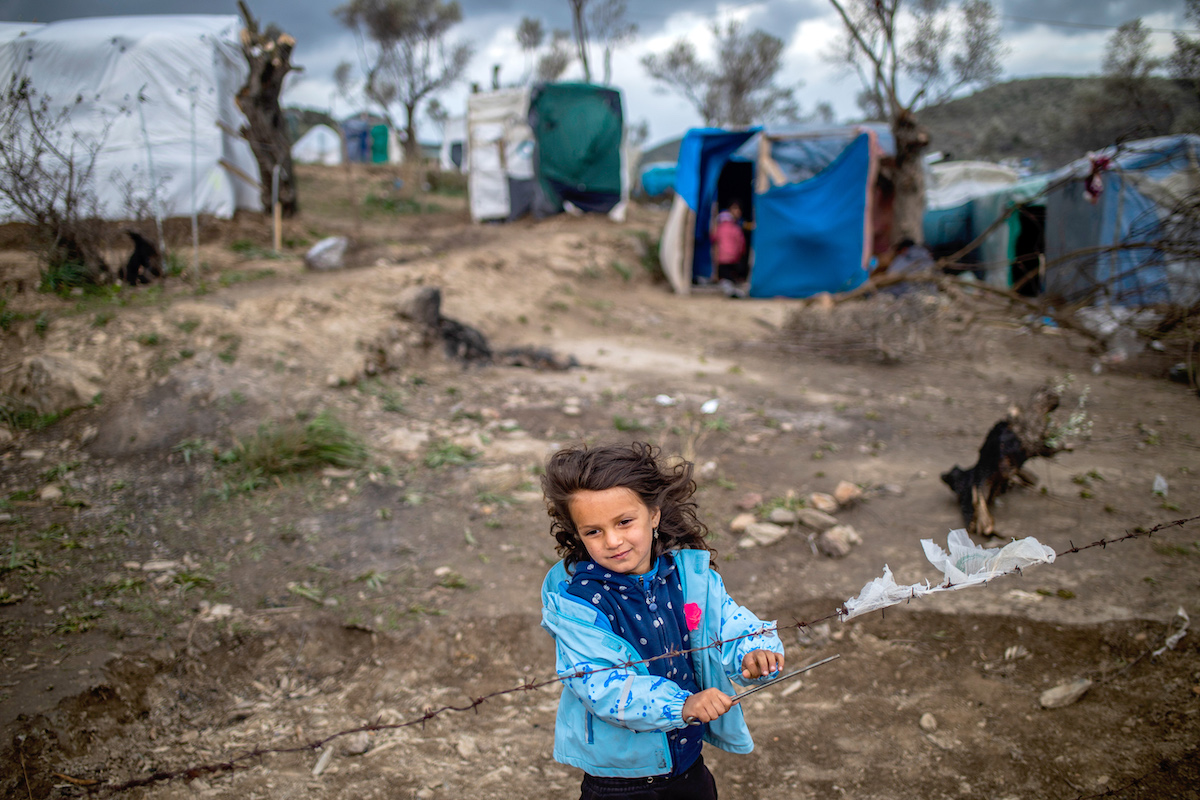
{"x": 691, "y": 613}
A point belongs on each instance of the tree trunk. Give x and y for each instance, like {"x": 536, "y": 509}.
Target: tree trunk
{"x": 909, "y": 210}
{"x": 269, "y": 59}
{"x": 412, "y": 149}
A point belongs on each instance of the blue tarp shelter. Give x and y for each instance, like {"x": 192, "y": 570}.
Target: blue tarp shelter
{"x": 812, "y": 206}
{"x": 1108, "y": 248}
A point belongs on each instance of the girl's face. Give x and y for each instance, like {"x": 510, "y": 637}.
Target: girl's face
{"x": 617, "y": 529}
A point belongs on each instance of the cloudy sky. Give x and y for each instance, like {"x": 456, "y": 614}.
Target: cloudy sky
{"x": 1044, "y": 37}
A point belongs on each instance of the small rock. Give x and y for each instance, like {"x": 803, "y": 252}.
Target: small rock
{"x": 741, "y": 522}
{"x": 424, "y": 794}
{"x": 709, "y": 470}
{"x": 762, "y": 533}
{"x": 846, "y": 493}
{"x": 838, "y": 540}
{"x": 782, "y": 516}
{"x": 817, "y": 520}
{"x": 750, "y": 501}
{"x": 1065, "y": 694}
{"x": 6, "y": 436}
{"x": 928, "y": 722}
{"x": 892, "y": 489}
{"x": 467, "y": 748}
{"x": 356, "y": 744}
{"x": 823, "y": 502}
{"x": 159, "y": 566}
{"x": 823, "y": 301}
{"x": 327, "y": 254}
{"x": 33, "y": 455}
{"x": 50, "y": 492}
{"x": 88, "y": 433}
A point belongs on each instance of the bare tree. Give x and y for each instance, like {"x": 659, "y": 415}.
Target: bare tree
{"x": 530, "y": 35}
{"x": 1128, "y": 67}
{"x": 1184, "y": 63}
{"x": 579, "y": 26}
{"x": 47, "y": 175}
{"x": 410, "y": 59}
{"x": 554, "y": 62}
{"x": 740, "y": 88}
{"x": 901, "y": 50}
{"x": 610, "y": 28}
{"x": 269, "y": 55}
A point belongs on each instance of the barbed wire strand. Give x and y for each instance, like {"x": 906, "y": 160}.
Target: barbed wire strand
{"x": 240, "y": 761}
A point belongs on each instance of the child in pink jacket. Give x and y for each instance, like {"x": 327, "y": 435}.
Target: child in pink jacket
{"x": 730, "y": 245}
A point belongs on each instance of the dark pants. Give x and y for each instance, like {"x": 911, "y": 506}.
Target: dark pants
{"x": 695, "y": 784}
{"x": 733, "y": 272}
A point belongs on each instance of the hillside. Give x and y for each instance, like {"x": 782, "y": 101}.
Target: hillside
{"x": 1055, "y": 120}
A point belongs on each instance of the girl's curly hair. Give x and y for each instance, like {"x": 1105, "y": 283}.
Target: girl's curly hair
{"x": 632, "y": 466}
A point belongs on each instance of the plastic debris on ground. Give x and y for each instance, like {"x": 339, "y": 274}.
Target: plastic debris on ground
{"x": 966, "y": 564}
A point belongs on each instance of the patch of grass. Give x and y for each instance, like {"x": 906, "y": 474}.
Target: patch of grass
{"x": 77, "y": 622}
{"x": 717, "y": 424}
{"x": 494, "y": 499}
{"x": 7, "y": 318}
{"x": 188, "y": 325}
{"x": 383, "y": 204}
{"x": 15, "y": 414}
{"x": 627, "y": 425}
{"x": 63, "y": 276}
{"x": 17, "y": 559}
{"x": 449, "y": 454}
{"x": 236, "y": 276}
{"x": 41, "y": 324}
{"x": 249, "y": 249}
{"x": 1176, "y": 550}
{"x": 373, "y": 579}
{"x": 60, "y": 471}
{"x": 191, "y": 579}
{"x": 101, "y": 319}
{"x": 232, "y": 342}
{"x": 173, "y": 264}
{"x": 621, "y": 269}
{"x": 452, "y": 580}
{"x": 279, "y": 449}
{"x": 192, "y": 447}
{"x": 151, "y": 339}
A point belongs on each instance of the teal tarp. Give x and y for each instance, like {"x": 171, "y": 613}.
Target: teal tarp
{"x": 578, "y": 128}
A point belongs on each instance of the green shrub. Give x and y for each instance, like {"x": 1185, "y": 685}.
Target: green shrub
{"x": 295, "y": 446}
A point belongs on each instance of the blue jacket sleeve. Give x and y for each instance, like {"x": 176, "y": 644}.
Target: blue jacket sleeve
{"x": 748, "y": 633}
{"x": 621, "y": 695}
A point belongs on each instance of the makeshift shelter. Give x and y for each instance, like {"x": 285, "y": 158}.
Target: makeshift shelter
{"x": 808, "y": 197}
{"x": 558, "y": 146}
{"x": 657, "y": 178}
{"x": 965, "y": 200}
{"x": 320, "y": 144}
{"x": 370, "y": 140}
{"x": 1114, "y": 221}
{"x": 452, "y": 155}
{"x": 155, "y": 96}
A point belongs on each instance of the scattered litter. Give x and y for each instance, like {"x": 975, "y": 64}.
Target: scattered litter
{"x": 1016, "y": 652}
{"x": 1174, "y": 638}
{"x": 1160, "y": 486}
{"x": 967, "y": 564}
{"x": 928, "y": 722}
{"x": 323, "y": 761}
{"x": 665, "y": 400}
{"x": 710, "y": 406}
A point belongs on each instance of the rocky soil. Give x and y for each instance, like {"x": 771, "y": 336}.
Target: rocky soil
{"x": 167, "y": 618}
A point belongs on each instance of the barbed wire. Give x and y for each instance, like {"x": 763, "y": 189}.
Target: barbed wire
{"x": 241, "y": 761}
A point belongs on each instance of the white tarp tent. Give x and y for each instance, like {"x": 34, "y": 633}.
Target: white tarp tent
{"x": 158, "y": 93}
{"x": 499, "y": 147}
{"x": 320, "y": 144}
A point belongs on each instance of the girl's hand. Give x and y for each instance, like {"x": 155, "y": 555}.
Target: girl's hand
{"x": 759, "y": 663}
{"x": 706, "y": 706}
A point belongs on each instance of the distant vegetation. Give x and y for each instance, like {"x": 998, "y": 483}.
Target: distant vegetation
{"x": 1055, "y": 120}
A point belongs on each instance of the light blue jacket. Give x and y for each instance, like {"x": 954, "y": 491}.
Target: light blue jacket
{"x": 613, "y": 722}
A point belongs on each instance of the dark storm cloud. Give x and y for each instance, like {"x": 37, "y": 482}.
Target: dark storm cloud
{"x": 1084, "y": 13}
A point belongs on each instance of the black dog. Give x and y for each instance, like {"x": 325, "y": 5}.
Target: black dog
{"x": 144, "y": 262}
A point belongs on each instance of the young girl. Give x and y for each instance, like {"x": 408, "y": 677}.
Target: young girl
{"x": 635, "y": 583}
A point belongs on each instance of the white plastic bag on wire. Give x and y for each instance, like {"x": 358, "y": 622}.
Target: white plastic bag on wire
{"x": 966, "y": 564}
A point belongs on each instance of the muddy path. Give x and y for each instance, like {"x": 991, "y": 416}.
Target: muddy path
{"x": 161, "y": 613}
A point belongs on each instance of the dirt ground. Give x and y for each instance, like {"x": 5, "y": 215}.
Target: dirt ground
{"x": 159, "y": 614}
